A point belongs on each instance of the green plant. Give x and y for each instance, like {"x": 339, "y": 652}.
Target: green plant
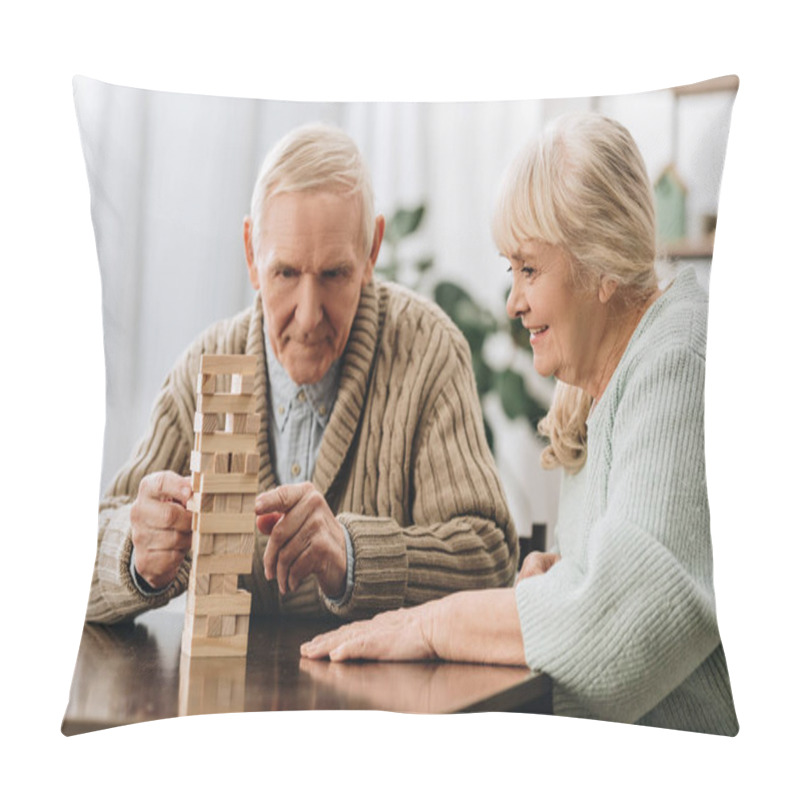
{"x": 475, "y": 321}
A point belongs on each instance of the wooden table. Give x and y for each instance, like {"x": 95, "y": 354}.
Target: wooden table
{"x": 135, "y": 672}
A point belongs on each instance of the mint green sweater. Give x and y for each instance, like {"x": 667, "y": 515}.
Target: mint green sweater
{"x": 625, "y": 622}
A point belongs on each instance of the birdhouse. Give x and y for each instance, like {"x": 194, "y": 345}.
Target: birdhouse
{"x": 670, "y": 200}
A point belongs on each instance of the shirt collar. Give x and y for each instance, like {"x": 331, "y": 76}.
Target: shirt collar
{"x": 287, "y": 395}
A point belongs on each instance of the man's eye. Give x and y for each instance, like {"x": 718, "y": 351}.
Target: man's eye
{"x": 334, "y": 274}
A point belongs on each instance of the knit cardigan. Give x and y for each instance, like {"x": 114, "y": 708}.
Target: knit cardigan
{"x": 625, "y": 622}
{"x": 403, "y": 463}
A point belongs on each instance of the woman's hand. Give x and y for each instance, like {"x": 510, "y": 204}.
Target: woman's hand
{"x": 401, "y": 635}
{"x": 536, "y": 563}
{"x": 480, "y": 626}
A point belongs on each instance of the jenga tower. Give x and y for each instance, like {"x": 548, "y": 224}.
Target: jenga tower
{"x": 224, "y": 480}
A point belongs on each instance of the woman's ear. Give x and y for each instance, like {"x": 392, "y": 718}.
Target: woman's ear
{"x": 607, "y": 288}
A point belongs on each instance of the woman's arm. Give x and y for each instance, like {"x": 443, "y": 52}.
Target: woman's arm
{"x": 475, "y": 626}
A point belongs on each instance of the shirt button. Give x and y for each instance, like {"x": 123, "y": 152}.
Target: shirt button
{"x": 322, "y": 410}
{"x": 301, "y": 396}
{"x": 295, "y": 470}
{"x": 281, "y": 409}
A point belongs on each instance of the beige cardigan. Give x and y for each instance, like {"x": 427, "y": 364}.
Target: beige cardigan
{"x": 403, "y": 463}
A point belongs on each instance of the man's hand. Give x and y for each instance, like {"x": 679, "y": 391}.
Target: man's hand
{"x": 536, "y": 563}
{"x": 304, "y": 538}
{"x": 162, "y": 526}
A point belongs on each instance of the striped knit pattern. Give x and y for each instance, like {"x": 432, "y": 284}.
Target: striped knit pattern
{"x": 403, "y": 463}
{"x": 625, "y": 623}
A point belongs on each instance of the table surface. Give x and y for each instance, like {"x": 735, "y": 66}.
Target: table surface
{"x": 135, "y": 672}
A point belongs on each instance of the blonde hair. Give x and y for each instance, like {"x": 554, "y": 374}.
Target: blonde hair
{"x": 314, "y": 157}
{"x": 582, "y": 185}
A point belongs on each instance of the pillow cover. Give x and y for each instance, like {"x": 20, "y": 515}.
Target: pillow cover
{"x": 171, "y": 177}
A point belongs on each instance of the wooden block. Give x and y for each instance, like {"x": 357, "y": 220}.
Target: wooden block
{"x": 242, "y": 384}
{"x": 229, "y": 604}
{"x": 213, "y": 522}
{"x": 248, "y": 503}
{"x": 233, "y": 503}
{"x": 217, "y": 646}
{"x": 201, "y": 462}
{"x": 207, "y": 423}
{"x": 223, "y": 403}
{"x": 230, "y": 483}
{"x": 243, "y": 544}
{"x": 224, "y": 584}
{"x": 242, "y": 423}
{"x": 222, "y": 442}
{"x": 221, "y": 364}
{"x": 242, "y": 625}
{"x": 202, "y": 544}
{"x": 195, "y": 625}
{"x": 245, "y": 463}
{"x": 214, "y": 626}
{"x": 228, "y": 625}
{"x": 202, "y": 584}
{"x": 224, "y": 564}
{"x": 206, "y": 384}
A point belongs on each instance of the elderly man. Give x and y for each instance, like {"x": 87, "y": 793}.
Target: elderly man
{"x": 377, "y": 486}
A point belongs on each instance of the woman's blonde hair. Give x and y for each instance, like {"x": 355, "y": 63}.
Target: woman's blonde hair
{"x": 582, "y": 185}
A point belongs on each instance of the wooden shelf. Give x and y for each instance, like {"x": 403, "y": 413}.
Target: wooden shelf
{"x": 702, "y": 247}
{"x": 727, "y": 83}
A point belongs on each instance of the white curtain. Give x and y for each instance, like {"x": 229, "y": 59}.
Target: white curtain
{"x": 171, "y": 177}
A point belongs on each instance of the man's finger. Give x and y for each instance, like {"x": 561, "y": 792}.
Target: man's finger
{"x": 168, "y": 485}
{"x": 266, "y": 522}
{"x": 282, "y": 498}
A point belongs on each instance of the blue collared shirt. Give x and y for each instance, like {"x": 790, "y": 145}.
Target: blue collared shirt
{"x": 298, "y": 417}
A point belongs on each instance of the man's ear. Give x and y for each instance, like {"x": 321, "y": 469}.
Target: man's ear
{"x": 249, "y": 253}
{"x": 607, "y": 288}
{"x": 377, "y": 239}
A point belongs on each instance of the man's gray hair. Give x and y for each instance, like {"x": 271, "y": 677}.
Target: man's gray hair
{"x": 314, "y": 158}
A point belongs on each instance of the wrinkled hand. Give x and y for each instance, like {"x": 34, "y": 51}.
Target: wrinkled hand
{"x": 162, "y": 526}
{"x": 304, "y": 538}
{"x": 400, "y": 635}
{"x": 536, "y": 563}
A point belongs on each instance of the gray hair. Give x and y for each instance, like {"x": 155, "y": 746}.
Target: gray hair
{"x": 314, "y": 157}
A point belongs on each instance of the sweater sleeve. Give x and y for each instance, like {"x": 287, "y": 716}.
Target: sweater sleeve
{"x": 113, "y": 596}
{"x": 458, "y": 533}
{"x": 619, "y": 630}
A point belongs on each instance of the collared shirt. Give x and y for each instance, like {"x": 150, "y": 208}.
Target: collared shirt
{"x": 298, "y": 416}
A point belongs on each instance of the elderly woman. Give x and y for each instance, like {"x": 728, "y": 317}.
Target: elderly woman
{"x": 621, "y": 615}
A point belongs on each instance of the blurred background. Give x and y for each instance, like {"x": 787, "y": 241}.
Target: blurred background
{"x": 171, "y": 177}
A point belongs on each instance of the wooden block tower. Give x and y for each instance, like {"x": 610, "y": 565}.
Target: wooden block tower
{"x": 224, "y": 481}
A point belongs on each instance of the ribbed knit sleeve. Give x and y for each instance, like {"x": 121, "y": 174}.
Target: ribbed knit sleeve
{"x": 167, "y": 444}
{"x": 625, "y": 623}
{"x": 433, "y": 514}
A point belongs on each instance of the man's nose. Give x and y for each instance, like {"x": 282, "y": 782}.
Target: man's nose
{"x": 308, "y": 312}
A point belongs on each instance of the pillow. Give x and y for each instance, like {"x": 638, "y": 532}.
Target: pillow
{"x": 170, "y": 178}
